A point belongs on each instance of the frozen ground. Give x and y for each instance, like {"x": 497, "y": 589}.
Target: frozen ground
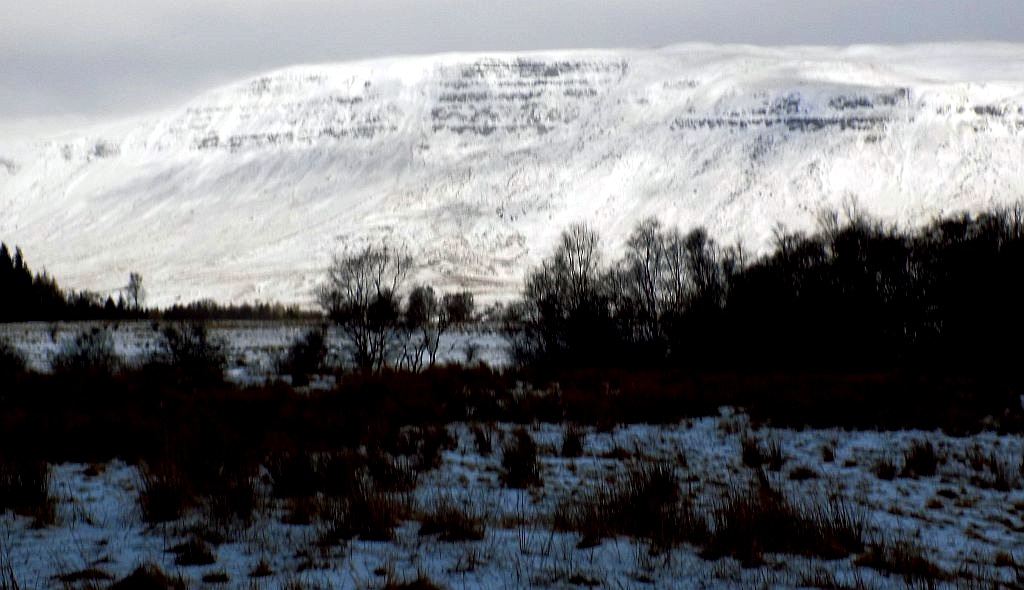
{"x": 252, "y": 347}
{"x": 973, "y": 533}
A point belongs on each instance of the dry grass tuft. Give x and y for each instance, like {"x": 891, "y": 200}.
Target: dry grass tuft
{"x": 451, "y": 521}
{"x": 761, "y": 519}
{"x": 646, "y": 503}
{"x": 25, "y": 489}
{"x": 519, "y": 461}
{"x": 902, "y": 556}
{"x": 921, "y": 460}
{"x": 757, "y": 454}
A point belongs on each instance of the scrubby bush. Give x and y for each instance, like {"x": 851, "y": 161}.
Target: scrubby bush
{"x": 920, "y": 460}
{"x": 451, "y": 521}
{"x": 305, "y": 357}
{"x": 419, "y": 583}
{"x": 165, "y": 493}
{"x": 232, "y": 498}
{"x": 25, "y": 489}
{"x": 645, "y": 503}
{"x": 369, "y": 514}
{"x": 482, "y": 439}
{"x": 194, "y": 552}
{"x": 884, "y": 468}
{"x": 757, "y": 454}
{"x": 761, "y": 519}
{"x": 190, "y": 356}
{"x": 904, "y": 556}
{"x": 572, "y": 440}
{"x": 11, "y": 361}
{"x": 305, "y": 474}
{"x": 519, "y": 461}
{"x": 149, "y": 577}
{"x": 425, "y": 443}
{"x": 89, "y": 353}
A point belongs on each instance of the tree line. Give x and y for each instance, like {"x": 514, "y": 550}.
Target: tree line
{"x": 856, "y": 294}
{"x": 26, "y": 296}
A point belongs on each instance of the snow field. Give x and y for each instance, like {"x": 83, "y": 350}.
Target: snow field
{"x": 973, "y": 533}
{"x": 252, "y": 348}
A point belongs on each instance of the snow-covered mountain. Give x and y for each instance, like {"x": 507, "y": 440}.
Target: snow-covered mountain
{"x": 477, "y": 161}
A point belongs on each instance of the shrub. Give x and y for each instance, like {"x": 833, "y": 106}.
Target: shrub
{"x": 419, "y": 583}
{"x": 1001, "y": 474}
{"x": 25, "y": 489}
{"x": 393, "y": 474}
{"x": 761, "y": 519}
{"x": 89, "y": 353}
{"x": 572, "y": 440}
{"x": 306, "y": 356}
{"x": 220, "y": 577}
{"x": 305, "y": 474}
{"x": 801, "y": 473}
{"x": 193, "y": 552}
{"x": 757, "y": 454}
{"x": 901, "y": 556}
{"x": 482, "y": 439}
{"x": 369, "y": 514}
{"x": 88, "y": 577}
{"x": 149, "y": 577}
{"x": 519, "y": 461}
{"x": 828, "y": 453}
{"x": 11, "y": 361}
{"x": 426, "y": 443}
{"x": 165, "y": 494}
{"x": 884, "y": 468}
{"x": 645, "y": 503}
{"x": 262, "y": 569}
{"x": 232, "y": 499}
{"x": 451, "y": 522}
{"x": 920, "y": 460}
{"x": 193, "y": 358}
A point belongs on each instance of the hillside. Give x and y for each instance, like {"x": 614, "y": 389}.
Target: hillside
{"x": 477, "y": 161}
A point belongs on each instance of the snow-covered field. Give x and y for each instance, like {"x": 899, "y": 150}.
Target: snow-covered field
{"x": 975, "y": 534}
{"x": 252, "y": 348}
{"x": 477, "y": 161}
{"x": 964, "y": 524}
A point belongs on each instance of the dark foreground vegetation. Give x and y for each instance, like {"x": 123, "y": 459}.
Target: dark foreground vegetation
{"x": 857, "y": 296}
{"x": 858, "y": 326}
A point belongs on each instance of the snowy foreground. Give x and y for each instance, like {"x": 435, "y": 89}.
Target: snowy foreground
{"x": 961, "y": 526}
{"x": 972, "y": 533}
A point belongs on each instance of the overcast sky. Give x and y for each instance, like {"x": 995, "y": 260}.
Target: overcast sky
{"x": 100, "y": 58}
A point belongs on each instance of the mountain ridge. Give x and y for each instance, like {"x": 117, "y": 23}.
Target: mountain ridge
{"x": 477, "y": 161}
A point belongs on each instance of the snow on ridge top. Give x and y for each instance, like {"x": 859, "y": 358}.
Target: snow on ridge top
{"x": 372, "y": 97}
{"x": 477, "y": 161}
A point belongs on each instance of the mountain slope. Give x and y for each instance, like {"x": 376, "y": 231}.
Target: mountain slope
{"x": 476, "y": 161}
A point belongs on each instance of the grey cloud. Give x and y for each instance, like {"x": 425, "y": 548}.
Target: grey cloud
{"x": 107, "y": 57}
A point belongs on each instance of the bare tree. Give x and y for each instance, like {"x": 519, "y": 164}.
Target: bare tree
{"x": 573, "y": 273}
{"x": 134, "y": 291}
{"x": 427, "y": 319}
{"x": 566, "y": 307}
{"x": 645, "y": 278}
{"x": 362, "y": 297}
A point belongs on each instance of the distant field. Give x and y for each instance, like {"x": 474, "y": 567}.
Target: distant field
{"x": 252, "y": 347}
